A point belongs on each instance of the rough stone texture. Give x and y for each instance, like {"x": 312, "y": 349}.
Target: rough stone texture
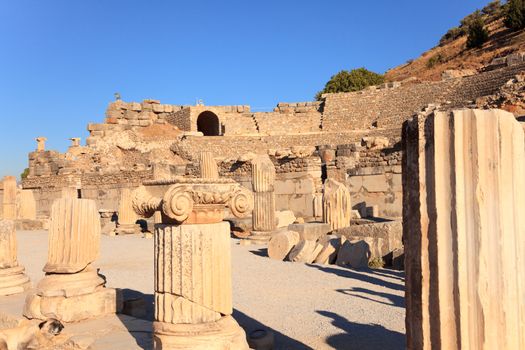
{"x": 310, "y": 231}
{"x": 284, "y": 218}
{"x": 26, "y": 205}
{"x": 384, "y": 236}
{"x": 304, "y": 251}
{"x": 354, "y": 254}
{"x": 337, "y": 206}
{"x": 12, "y": 277}
{"x": 281, "y": 244}
{"x": 464, "y": 191}
{"x": 72, "y": 290}
{"x": 328, "y": 253}
{"x": 208, "y": 166}
{"x": 9, "y": 198}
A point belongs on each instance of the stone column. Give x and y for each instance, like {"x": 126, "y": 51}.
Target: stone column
{"x": 9, "y": 198}
{"x": 263, "y": 217}
{"x": 208, "y": 166}
{"x": 26, "y": 205}
{"x": 13, "y": 280}
{"x": 75, "y": 142}
{"x": 337, "y": 205}
{"x": 464, "y": 230}
{"x": 193, "y": 287}
{"x": 41, "y": 144}
{"x": 72, "y": 290}
{"x": 127, "y": 218}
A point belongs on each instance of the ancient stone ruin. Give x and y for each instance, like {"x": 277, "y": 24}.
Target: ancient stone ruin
{"x": 72, "y": 289}
{"x": 193, "y": 288}
{"x": 338, "y": 181}
{"x": 13, "y": 280}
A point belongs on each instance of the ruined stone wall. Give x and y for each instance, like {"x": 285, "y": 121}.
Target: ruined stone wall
{"x": 389, "y": 107}
{"x": 104, "y": 189}
{"x": 235, "y": 146}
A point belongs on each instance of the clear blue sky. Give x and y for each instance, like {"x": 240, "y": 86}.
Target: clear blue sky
{"x": 62, "y": 60}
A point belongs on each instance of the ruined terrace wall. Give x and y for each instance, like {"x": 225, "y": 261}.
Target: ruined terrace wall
{"x": 389, "y": 107}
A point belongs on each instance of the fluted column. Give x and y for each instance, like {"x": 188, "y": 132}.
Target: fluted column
{"x": 464, "y": 230}
{"x": 13, "y": 280}
{"x": 337, "y": 205}
{"x": 72, "y": 289}
{"x": 208, "y": 166}
{"x": 9, "y": 198}
{"x": 263, "y": 218}
{"x": 193, "y": 285}
{"x": 127, "y": 218}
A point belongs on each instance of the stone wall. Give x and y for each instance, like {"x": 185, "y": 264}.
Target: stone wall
{"x": 388, "y": 108}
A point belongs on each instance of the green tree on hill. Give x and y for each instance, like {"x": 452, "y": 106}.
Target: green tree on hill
{"x": 348, "y": 81}
{"x": 515, "y": 14}
{"x": 477, "y": 34}
{"x": 24, "y": 173}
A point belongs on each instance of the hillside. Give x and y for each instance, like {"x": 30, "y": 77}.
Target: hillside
{"x": 454, "y": 54}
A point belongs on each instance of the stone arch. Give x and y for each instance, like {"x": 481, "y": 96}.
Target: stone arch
{"x": 208, "y": 124}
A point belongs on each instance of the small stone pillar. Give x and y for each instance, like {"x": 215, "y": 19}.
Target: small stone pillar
{"x": 72, "y": 289}
{"x": 9, "y": 198}
{"x": 13, "y": 280}
{"x": 26, "y": 205}
{"x": 263, "y": 218}
{"x": 41, "y": 144}
{"x": 75, "y": 142}
{"x": 127, "y": 218}
{"x": 208, "y": 166}
{"x": 193, "y": 287}
{"x": 337, "y": 205}
{"x": 464, "y": 230}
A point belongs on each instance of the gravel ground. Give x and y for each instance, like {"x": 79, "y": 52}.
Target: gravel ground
{"x": 306, "y": 306}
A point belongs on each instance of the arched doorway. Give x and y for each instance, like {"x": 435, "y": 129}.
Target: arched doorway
{"x": 208, "y": 124}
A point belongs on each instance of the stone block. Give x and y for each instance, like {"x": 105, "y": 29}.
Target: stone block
{"x": 284, "y": 218}
{"x": 375, "y": 183}
{"x": 311, "y": 231}
{"x": 281, "y": 244}
{"x": 303, "y": 252}
{"x": 354, "y": 254}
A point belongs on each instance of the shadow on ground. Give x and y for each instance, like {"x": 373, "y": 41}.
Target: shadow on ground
{"x": 358, "y": 336}
{"x": 260, "y": 252}
{"x": 282, "y": 341}
{"x": 144, "y": 338}
{"x": 362, "y": 275}
{"x": 395, "y": 300}
{"x": 140, "y": 324}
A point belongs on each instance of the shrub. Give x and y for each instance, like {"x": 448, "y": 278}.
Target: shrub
{"x": 348, "y": 81}
{"x": 493, "y": 9}
{"x": 436, "y": 59}
{"x": 24, "y": 173}
{"x": 451, "y": 35}
{"x": 477, "y": 34}
{"x": 376, "y": 263}
{"x": 515, "y": 14}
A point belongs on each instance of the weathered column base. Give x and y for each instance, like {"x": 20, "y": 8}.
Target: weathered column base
{"x": 224, "y": 334}
{"x": 128, "y": 229}
{"x": 260, "y": 237}
{"x": 13, "y": 280}
{"x": 71, "y": 297}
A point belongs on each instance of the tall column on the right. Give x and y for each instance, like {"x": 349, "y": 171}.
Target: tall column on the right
{"x": 464, "y": 230}
{"x": 263, "y": 218}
